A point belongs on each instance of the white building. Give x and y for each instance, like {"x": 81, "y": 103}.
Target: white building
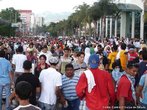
{"x": 129, "y": 23}
{"x": 36, "y": 22}
{"x": 39, "y": 21}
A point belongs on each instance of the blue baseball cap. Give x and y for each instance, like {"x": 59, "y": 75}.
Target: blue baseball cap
{"x": 94, "y": 61}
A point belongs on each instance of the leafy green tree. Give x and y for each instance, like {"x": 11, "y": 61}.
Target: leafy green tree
{"x": 52, "y": 29}
{"x": 82, "y": 16}
{"x": 95, "y": 14}
{"x": 108, "y": 8}
{"x": 9, "y": 15}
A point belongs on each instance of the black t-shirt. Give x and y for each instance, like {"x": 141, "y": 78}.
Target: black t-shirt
{"x": 34, "y": 81}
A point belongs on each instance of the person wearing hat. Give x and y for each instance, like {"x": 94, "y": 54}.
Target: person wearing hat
{"x": 51, "y": 81}
{"x": 96, "y": 86}
{"x": 132, "y": 54}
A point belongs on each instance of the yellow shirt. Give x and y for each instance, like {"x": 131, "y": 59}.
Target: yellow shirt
{"x": 112, "y": 57}
{"x": 123, "y": 59}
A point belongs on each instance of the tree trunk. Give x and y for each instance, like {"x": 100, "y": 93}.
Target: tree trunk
{"x": 90, "y": 30}
{"x": 95, "y": 26}
{"x": 80, "y": 28}
{"x": 85, "y": 30}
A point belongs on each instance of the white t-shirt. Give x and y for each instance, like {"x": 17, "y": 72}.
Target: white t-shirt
{"x": 18, "y": 60}
{"x": 49, "y": 79}
{"x": 27, "y": 107}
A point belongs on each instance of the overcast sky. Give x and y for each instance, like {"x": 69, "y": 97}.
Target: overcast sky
{"x": 39, "y": 6}
{"x": 51, "y": 10}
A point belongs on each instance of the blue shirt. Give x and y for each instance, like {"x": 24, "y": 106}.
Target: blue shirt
{"x": 69, "y": 87}
{"x": 5, "y": 68}
{"x": 144, "y": 92}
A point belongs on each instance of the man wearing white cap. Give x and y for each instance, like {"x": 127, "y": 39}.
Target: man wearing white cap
{"x": 96, "y": 86}
{"x": 51, "y": 81}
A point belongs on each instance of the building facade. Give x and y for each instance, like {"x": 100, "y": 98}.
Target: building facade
{"x": 36, "y": 23}
{"x": 25, "y": 16}
{"x": 129, "y": 23}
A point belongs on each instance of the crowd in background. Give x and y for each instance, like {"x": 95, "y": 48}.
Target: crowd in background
{"x": 74, "y": 73}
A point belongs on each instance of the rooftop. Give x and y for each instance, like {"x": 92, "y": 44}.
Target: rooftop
{"x": 128, "y": 7}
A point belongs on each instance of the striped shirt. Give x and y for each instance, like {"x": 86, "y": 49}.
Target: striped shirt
{"x": 69, "y": 87}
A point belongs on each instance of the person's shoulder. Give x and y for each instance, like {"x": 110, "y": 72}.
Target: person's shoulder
{"x": 58, "y": 74}
{"x": 45, "y": 70}
{"x": 7, "y": 61}
{"x": 103, "y": 72}
{"x": 22, "y": 56}
{"x": 84, "y": 64}
{"x": 33, "y": 107}
{"x": 122, "y": 52}
{"x": 143, "y": 63}
{"x": 83, "y": 75}
{"x": 14, "y": 55}
{"x": 76, "y": 77}
{"x": 32, "y": 76}
{"x": 21, "y": 77}
{"x": 27, "y": 107}
{"x": 124, "y": 80}
{"x": 143, "y": 77}
{"x": 74, "y": 63}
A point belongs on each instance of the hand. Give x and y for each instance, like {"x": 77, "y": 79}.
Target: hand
{"x": 62, "y": 101}
{"x": 12, "y": 85}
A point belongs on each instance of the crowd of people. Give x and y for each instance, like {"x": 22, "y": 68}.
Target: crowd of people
{"x": 73, "y": 74}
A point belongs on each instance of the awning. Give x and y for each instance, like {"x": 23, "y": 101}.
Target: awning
{"x": 128, "y": 7}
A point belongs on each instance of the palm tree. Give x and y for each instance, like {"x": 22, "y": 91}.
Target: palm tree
{"x": 108, "y": 8}
{"x": 82, "y": 16}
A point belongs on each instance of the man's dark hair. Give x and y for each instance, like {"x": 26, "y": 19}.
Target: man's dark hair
{"x": 45, "y": 46}
{"x": 144, "y": 55}
{"x": 42, "y": 56}
{"x": 67, "y": 48}
{"x": 23, "y": 89}
{"x": 115, "y": 47}
{"x": 100, "y": 46}
{"x": 2, "y": 53}
{"x": 20, "y": 49}
{"x": 123, "y": 46}
{"x": 132, "y": 64}
{"x": 69, "y": 66}
{"x": 27, "y": 65}
{"x": 80, "y": 53}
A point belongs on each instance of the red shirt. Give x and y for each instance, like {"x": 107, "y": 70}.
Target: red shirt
{"x": 124, "y": 89}
{"x": 132, "y": 56}
{"x": 101, "y": 95}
